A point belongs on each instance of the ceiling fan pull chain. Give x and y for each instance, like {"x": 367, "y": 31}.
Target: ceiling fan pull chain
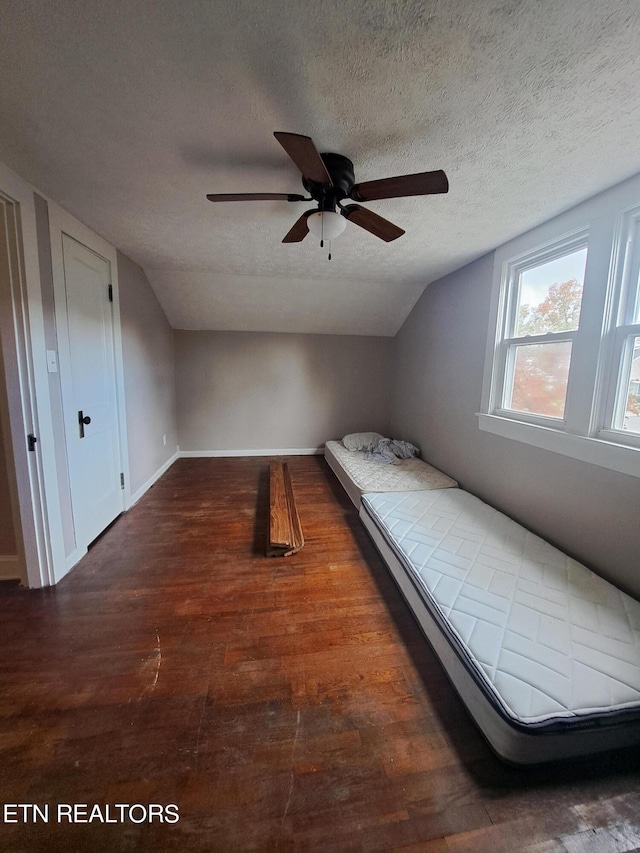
{"x": 329, "y": 258}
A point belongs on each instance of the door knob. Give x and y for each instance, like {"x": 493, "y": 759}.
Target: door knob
{"x": 83, "y": 420}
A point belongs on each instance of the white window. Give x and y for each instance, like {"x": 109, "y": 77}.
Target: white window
{"x": 543, "y": 297}
{"x": 563, "y": 356}
{"x": 622, "y": 414}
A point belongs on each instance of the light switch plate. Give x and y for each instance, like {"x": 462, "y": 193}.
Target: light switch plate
{"x": 52, "y": 361}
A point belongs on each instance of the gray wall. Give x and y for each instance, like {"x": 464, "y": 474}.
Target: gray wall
{"x": 253, "y": 391}
{"x": 147, "y": 347}
{"x": 589, "y": 511}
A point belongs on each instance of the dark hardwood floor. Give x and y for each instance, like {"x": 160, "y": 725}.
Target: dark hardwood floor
{"x": 282, "y": 704}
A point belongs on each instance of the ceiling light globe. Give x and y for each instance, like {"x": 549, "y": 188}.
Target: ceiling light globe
{"x": 326, "y": 225}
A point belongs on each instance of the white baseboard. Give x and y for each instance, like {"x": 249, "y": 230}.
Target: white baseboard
{"x": 10, "y": 568}
{"x": 271, "y": 451}
{"x": 135, "y": 497}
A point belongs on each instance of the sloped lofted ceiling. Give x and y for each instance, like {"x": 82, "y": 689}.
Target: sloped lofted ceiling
{"x": 127, "y": 112}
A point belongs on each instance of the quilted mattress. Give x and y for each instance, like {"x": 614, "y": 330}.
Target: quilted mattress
{"x": 359, "y": 475}
{"x": 545, "y": 653}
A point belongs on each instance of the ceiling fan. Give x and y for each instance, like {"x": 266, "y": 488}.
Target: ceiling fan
{"x": 329, "y": 179}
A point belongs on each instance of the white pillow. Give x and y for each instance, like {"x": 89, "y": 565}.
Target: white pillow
{"x": 361, "y": 440}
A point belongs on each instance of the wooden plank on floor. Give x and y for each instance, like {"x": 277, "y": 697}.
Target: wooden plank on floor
{"x": 285, "y": 531}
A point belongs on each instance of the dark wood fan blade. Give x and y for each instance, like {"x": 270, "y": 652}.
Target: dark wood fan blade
{"x": 255, "y": 197}
{"x": 305, "y": 155}
{"x": 299, "y": 230}
{"x": 373, "y": 223}
{"x": 424, "y": 183}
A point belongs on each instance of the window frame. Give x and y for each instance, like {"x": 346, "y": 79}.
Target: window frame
{"x": 509, "y": 278}
{"x": 506, "y": 342}
{"x": 609, "y": 226}
{"x": 622, "y": 328}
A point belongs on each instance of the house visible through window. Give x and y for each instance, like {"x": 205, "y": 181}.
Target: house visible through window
{"x": 632, "y": 403}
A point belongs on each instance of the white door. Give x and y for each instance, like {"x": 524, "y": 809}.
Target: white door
{"x": 90, "y": 402}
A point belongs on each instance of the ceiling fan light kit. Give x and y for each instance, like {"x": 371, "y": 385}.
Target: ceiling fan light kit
{"x": 326, "y": 225}
{"x": 330, "y": 179}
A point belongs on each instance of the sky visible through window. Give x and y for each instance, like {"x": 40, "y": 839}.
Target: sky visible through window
{"x": 535, "y": 283}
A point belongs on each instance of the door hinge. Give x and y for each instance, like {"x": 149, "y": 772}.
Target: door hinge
{"x": 122, "y": 481}
{"x": 110, "y": 293}
{"x": 31, "y": 442}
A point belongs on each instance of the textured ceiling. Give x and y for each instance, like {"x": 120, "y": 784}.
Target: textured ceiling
{"x": 127, "y": 112}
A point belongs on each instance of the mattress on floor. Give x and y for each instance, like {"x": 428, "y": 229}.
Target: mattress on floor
{"x": 544, "y": 652}
{"x": 359, "y": 475}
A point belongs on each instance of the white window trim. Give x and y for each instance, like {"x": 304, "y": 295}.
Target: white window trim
{"x": 621, "y": 322}
{"x": 581, "y": 435}
{"x": 606, "y": 454}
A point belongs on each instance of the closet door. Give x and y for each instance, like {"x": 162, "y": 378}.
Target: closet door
{"x": 87, "y": 364}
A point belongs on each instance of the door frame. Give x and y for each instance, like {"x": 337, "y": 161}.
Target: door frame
{"x": 41, "y": 545}
{"x": 61, "y": 222}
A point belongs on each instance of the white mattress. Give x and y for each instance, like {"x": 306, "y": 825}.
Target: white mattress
{"x": 358, "y": 475}
{"x": 547, "y": 644}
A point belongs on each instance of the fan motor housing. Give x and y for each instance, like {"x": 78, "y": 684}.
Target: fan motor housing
{"x": 342, "y": 174}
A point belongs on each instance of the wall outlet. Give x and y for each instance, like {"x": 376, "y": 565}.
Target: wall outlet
{"x": 164, "y": 439}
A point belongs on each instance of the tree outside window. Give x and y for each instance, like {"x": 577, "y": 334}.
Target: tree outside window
{"x": 541, "y": 370}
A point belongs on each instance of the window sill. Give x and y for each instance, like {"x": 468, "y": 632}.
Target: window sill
{"x": 616, "y": 457}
